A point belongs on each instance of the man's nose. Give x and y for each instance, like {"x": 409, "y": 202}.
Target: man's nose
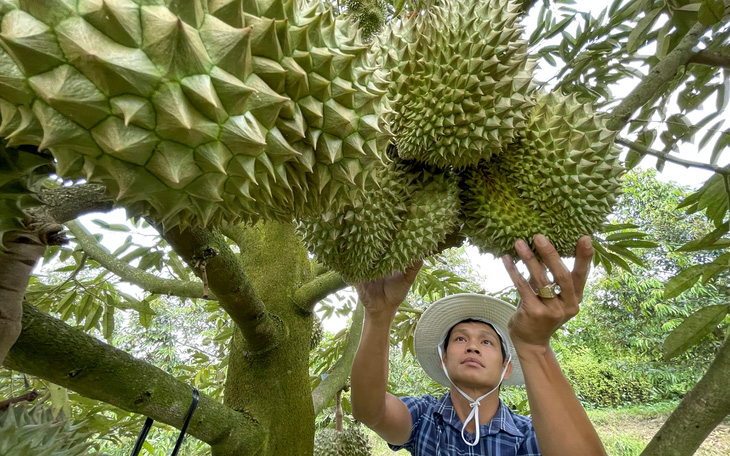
{"x": 472, "y": 350}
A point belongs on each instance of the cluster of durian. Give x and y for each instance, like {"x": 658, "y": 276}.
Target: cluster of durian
{"x": 350, "y": 442}
{"x": 33, "y": 431}
{"x": 559, "y": 178}
{"x": 195, "y": 111}
{"x": 370, "y": 15}
{"x": 465, "y": 109}
{"x": 401, "y": 220}
{"x": 21, "y": 175}
{"x": 461, "y": 83}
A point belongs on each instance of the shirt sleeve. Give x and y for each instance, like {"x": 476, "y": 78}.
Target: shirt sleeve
{"x": 417, "y": 406}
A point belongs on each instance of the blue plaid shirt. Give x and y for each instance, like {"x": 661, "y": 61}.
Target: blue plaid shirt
{"x": 437, "y": 428}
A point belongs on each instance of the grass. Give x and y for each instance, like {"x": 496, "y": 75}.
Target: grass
{"x": 624, "y": 431}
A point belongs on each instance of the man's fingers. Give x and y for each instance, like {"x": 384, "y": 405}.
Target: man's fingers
{"x": 583, "y": 258}
{"x": 551, "y": 258}
{"x": 523, "y": 288}
{"x": 538, "y": 273}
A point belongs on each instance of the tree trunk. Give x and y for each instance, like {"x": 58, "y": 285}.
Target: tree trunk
{"x": 698, "y": 414}
{"x": 274, "y": 386}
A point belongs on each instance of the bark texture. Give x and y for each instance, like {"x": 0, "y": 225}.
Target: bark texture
{"x": 102, "y": 372}
{"x": 700, "y": 411}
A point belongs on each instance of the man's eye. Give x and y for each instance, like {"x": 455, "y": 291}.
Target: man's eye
{"x": 487, "y": 342}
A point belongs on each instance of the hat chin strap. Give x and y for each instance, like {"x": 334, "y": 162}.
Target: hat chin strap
{"x": 474, "y": 404}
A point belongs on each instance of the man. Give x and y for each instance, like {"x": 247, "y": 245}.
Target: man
{"x": 495, "y": 343}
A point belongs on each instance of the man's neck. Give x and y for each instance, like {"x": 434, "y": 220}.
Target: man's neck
{"x": 487, "y": 409}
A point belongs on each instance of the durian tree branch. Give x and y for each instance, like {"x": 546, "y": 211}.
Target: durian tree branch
{"x": 63, "y": 204}
{"x": 670, "y": 158}
{"x": 711, "y": 58}
{"x": 99, "y": 371}
{"x": 317, "y": 289}
{"x": 700, "y": 411}
{"x": 340, "y": 372}
{"x": 18, "y": 256}
{"x": 227, "y": 279}
{"x": 660, "y": 75}
{"x": 145, "y": 280}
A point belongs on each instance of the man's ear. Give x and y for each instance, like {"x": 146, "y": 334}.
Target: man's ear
{"x": 508, "y": 372}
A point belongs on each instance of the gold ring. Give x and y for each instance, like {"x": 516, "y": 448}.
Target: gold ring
{"x": 549, "y": 291}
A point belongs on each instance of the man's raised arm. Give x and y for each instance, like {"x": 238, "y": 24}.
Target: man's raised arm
{"x": 371, "y": 404}
{"x": 560, "y": 422}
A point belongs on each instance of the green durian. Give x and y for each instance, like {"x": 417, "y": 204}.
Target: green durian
{"x": 560, "y": 178}
{"x": 33, "y": 431}
{"x": 196, "y": 112}
{"x": 350, "y": 442}
{"x": 460, "y": 82}
{"x": 401, "y": 220}
{"x": 22, "y": 171}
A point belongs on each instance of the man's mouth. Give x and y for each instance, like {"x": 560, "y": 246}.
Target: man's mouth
{"x": 472, "y": 362}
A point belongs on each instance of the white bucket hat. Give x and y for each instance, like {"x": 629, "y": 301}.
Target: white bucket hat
{"x": 443, "y": 314}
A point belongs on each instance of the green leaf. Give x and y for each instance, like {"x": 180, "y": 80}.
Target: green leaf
{"x": 707, "y": 240}
{"x": 60, "y": 401}
{"x": 637, "y": 37}
{"x": 637, "y": 244}
{"x": 107, "y": 325}
{"x": 626, "y": 236}
{"x": 683, "y": 281}
{"x": 710, "y": 12}
{"x": 608, "y": 228}
{"x": 719, "y": 265}
{"x": 398, "y": 7}
{"x": 83, "y": 308}
{"x": 693, "y": 330}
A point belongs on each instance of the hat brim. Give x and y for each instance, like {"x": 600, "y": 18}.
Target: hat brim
{"x": 443, "y": 314}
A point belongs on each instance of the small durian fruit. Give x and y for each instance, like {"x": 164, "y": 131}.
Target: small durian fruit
{"x": 350, "y": 442}
{"x": 460, "y": 81}
{"x": 193, "y": 112}
{"x": 21, "y": 175}
{"x": 33, "y": 431}
{"x": 560, "y": 179}
{"x": 317, "y": 333}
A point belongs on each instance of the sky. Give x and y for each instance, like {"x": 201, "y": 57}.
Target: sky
{"x": 490, "y": 269}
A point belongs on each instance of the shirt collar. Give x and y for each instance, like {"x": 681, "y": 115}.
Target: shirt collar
{"x": 502, "y": 421}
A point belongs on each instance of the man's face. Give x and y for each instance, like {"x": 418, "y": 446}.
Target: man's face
{"x": 473, "y": 357}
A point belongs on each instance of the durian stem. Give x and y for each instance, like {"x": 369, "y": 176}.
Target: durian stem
{"x": 700, "y": 411}
{"x": 317, "y": 289}
{"x": 228, "y": 281}
{"x": 666, "y": 156}
{"x": 146, "y": 281}
{"x": 662, "y": 73}
{"x": 68, "y": 203}
{"x": 340, "y": 372}
{"x": 27, "y": 397}
{"x": 99, "y": 371}
{"x": 710, "y": 58}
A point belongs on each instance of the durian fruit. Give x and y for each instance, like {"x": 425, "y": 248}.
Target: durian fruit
{"x": 350, "y": 442}
{"x": 317, "y": 333}
{"x": 370, "y": 15}
{"x": 403, "y": 219}
{"x": 560, "y": 178}
{"x": 461, "y": 82}
{"x": 21, "y": 174}
{"x": 195, "y": 111}
{"x": 33, "y": 431}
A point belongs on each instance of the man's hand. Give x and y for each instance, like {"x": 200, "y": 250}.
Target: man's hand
{"x": 538, "y": 318}
{"x": 384, "y": 295}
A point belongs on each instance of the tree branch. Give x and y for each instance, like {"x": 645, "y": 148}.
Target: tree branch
{"x": 667, "y": 157}
{"x": 18, "y": 258}
{"x": 99, "y": 371}
{"x": 700, "y": 411}
{"x": 711, "y": 58}
{"x": 199, "y": 246}
{"x": 317, "y": 289}
{"x": 662, "y": 73}
{"x": 68, "y": 203}
{"x": 148, "y": 282}
{"x": 340, "y": 372}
